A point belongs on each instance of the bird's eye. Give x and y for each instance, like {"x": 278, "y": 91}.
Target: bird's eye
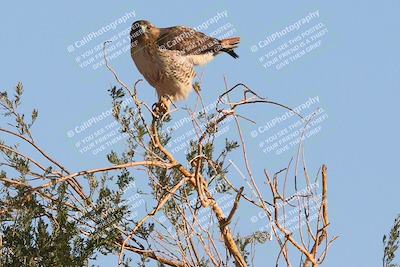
{"x": 149, "y": 27}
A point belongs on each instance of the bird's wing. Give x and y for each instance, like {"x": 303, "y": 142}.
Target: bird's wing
{"x": 187, "y": 41}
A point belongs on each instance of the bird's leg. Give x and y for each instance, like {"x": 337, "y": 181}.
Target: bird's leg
{"x": 162, "y": 107}
{"x": 165, "y": 103}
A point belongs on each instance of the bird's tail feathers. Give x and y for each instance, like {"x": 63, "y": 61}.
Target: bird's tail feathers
{"x": 229, "y": 44}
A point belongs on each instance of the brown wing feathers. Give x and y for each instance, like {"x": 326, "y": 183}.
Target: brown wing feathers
{"x": 191, "y": 42}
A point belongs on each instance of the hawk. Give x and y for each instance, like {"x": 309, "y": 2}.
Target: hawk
{"x": 166, "y": 57}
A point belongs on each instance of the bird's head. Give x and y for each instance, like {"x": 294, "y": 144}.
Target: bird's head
{"x": 143, "y": 32}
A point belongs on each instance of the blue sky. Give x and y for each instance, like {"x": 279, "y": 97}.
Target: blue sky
{"x": 354, "y": 72}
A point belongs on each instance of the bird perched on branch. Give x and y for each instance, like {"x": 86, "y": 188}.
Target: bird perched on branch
{"x": 166, "y": 56}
